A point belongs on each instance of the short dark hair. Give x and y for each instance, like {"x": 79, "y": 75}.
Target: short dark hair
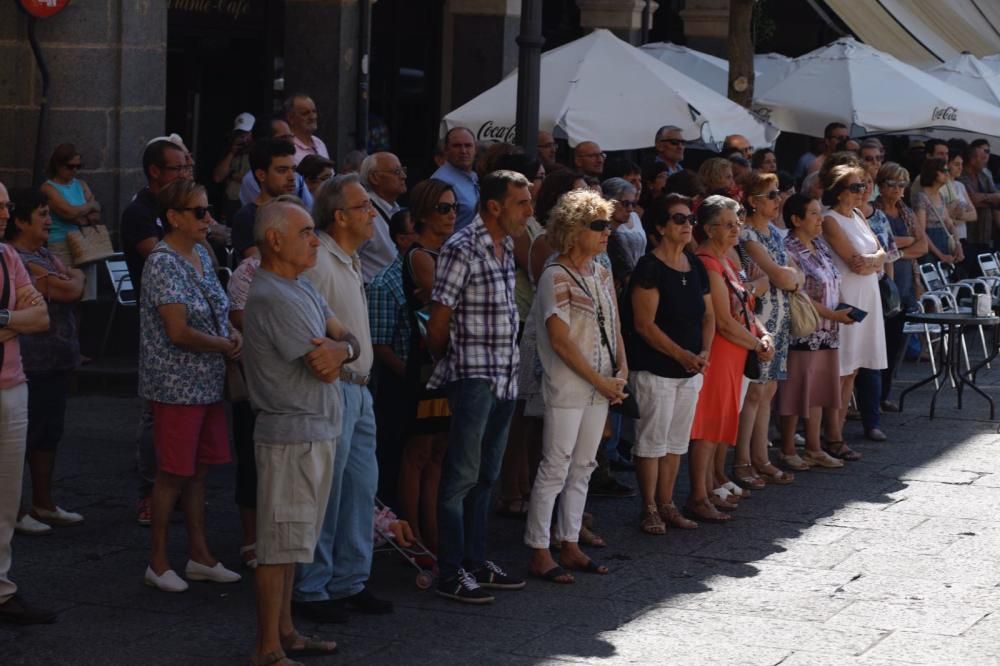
{"x": 686, "y": 182}
{"x": 619, "y": 168}
{"x": 424, "y": 197}
{"x": 785, "y": 181}
{"x": 931, "y": 144}
{"x": 757, "y": 159}
{"x": 493, "y": 186}
{"x": 828, "y": 130}
{"x": 397, "y": 223}
{"x": 26, "y": 201}
{"x": 956, "y": 148}
{"x": 930, "y": 168}
{"x": 61, "y": 156}
{"x": 974, "y": 146}
{"x": 447, "y": 135}
{"x": 795, "y": 205}
{"x": 554, "y": 186}
{"x": 655, "y": 214}
{"x": 265, "y": 150}
{"x": 155, "y": 153}
{"x": 312, "y": 166}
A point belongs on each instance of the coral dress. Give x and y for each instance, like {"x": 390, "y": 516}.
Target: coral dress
{"x": 717, "y": 416}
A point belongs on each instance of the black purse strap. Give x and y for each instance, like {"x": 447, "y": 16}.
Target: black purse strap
{"x": 600, "y": 313}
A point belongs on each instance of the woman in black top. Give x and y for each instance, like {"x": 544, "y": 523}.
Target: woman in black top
{"x": 672, "y": 326}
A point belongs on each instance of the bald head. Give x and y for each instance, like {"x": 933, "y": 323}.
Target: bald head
{"x": 589, "y": 159}
{"x": 737, "y": 143}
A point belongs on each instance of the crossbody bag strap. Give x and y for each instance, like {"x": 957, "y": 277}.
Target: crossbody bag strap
{"x": 600, "y": 316}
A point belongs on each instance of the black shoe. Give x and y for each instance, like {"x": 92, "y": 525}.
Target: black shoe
{"x": 463, "y": 587}
{"x": 15, "y": 611}
{"x": 366, "y": 602}
{"x": 324, "y": 612}
{"x": 890, "y": 406}
{"x": 493, "y": 577}
{"x": 611, "y": 488}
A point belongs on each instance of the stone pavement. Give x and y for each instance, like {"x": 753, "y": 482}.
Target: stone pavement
{"x": 891, "y": 560}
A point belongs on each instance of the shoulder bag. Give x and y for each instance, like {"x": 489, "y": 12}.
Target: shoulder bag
{"x": 89, "y": 244}
{"x": 751, "y": 367}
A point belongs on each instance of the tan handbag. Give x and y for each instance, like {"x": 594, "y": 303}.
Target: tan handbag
{"x": 89, "y": 244}
{"x": 804, "y": 318}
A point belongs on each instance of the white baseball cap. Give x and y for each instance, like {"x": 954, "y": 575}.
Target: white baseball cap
{"x": 244, "y": 122}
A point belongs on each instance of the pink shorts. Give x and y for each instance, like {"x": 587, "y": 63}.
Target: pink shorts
{"x": 187, "y": 435}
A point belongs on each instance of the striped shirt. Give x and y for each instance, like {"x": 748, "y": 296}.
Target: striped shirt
{"x": 479, "y": 289}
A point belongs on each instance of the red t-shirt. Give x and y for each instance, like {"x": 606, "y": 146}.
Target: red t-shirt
{"x": 11, "y": 372}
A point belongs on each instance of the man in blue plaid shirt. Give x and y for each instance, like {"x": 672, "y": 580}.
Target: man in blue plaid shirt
{"x": 473, "y": 332}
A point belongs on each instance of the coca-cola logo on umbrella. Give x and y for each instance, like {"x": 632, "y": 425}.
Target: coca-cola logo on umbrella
{"x": 44, "y": 8}
{"x": 948, "y": 113}
{"x": 502, "y": 133}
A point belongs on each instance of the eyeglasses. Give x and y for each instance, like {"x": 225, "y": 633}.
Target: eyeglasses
{"x": 590, "y": 156}
{"x": 672, "y": 142}
{"x": 856, "y": 188}
{"x": 872, "y": 158}
{"x": 74, "y": 167}
{"x": 773, "y": 195}
{"x": 681, "y": 218}
{"x": 189, "y": 168}
{"x": 199, "y": 211}
{"x": 626, "y": 204}
{"x": 445, "y": 208}
{"x": 366, "y": 207}
{"x": 896, "y": 183}
{"x": 741, "y": 213}
{"x": 398, "y": 171}
{"x": 728, "y": 226}
{"x": 599, "y": 225}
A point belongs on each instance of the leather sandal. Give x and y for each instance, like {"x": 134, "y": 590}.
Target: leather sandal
{"x": 839, "y": 449}
{"x": 772, "y": 474}
{"x": 794, "y": 462}
{"x": 272, "y": 658}
{"x": 703, "y": 511}
{"x": 720, "y": 503}
{"x": 650, "y": 521}
{"x": 746, "y": 478}
{"x": 672, "y": 516}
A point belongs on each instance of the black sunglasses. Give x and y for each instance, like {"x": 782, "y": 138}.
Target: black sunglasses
{"x": 773, "y": 195}
{"x": 672, "y": 142}
{"x": 681, "y": 218}
{"x": 74, "y": 167}
{"x": 856, "y": 188}
{"x": 199, "y": 211}
{"x": 445, "y": 208}
{"x": 599, "y": 225}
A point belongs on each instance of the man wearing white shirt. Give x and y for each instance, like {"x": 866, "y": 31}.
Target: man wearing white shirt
{"x": 300, "y": 111}
{"x": 385, "y": 179}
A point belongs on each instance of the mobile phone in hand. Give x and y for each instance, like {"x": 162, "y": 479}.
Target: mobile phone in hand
{"x": 857, "y": 314}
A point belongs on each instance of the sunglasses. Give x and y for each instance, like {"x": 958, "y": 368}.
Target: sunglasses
{"x": 199, "y": 211}
{"x": 626, "y": 204}
{"x": 445, "y": 208}
{"x": 856, "y": 188}
{"x": 599, "y": 225}
{"x": 681, "y": 218}
{"x": 773, "y": 195}
{"x": 872, "y": 158}
{"x": 672, "y": 142}
{"x": 896, "y": 183}
{"x": 74, "y": 167}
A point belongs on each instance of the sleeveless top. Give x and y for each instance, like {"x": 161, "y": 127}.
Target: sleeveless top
{"x": 72, "y": 192}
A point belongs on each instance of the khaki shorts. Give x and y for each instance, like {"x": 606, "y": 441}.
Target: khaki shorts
{"x": 293, "y": 486}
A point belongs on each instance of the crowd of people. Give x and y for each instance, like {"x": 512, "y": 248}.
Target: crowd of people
{"x": 517, "y": 337}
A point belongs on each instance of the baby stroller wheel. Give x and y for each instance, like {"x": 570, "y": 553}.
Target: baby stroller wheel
{"x": 424, "y": 580}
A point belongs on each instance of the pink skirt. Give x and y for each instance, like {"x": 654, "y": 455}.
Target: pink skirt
{"x": 813, "y": 381}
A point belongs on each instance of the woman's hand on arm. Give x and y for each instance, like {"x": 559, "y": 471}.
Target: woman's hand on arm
{"x": 174, "y": 316}
{"x": 65, "y": 210}
{"x": 30, "y": 313}
{"x": 612, "y": 388}
{"x": 785, "y": 278}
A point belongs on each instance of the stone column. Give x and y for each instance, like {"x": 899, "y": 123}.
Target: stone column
{"x": 622, "y": 17}
{"x": 107, "y": 95}
{"x": 478, "y": 47}
{"x": 706, "y": 25}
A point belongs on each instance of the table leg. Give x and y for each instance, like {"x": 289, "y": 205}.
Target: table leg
{"x": 942, "y": 368}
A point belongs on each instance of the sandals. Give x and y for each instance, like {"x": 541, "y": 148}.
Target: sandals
{"x": 719, "y": 503}
{"x": 671, "y": 516}
{"x": 821, "y": 459}
{"x": 772, "y": 474}
{"x": 556, "y": 575}
{"x": 589, "y": 538}
{"x": 272, "y": 658}
{"x": 794, "y": 462}
{"x": 747, "y": 479}
{"x": 311, "y": 645}
{"x": 590, "y": 567}
{"x": 704, "y": 511}
{"x": 650, "y": 521}
{"x": 843, "y": 451}
{"x": 740, "y": 493}
{"x": 248, "y": 555}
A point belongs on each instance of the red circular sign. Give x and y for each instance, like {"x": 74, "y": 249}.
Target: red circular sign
{"x": 44, "y": 8}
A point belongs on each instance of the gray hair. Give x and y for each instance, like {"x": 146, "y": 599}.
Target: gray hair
{"x": 809, "y": 182}
{"x": 272, "y": 215}
{"x": 666, "y": 128}
{"x": 712, "y": 207}
{"x": 368, "y": 165}
{"x": 330, "y": 198}
{"x": 616, "y": 188}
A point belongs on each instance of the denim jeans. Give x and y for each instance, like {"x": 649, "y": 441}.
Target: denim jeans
{"x": 145, "y": 451}
{"x": 476, "y": 443}
{"x": 343, "y": 558}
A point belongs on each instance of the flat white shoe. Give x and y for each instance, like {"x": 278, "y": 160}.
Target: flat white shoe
{"x": 58, "y": 517}
{"x": 169, "y": 581}
{"x": 216, "y": 574}
{"x": 28, "y": 525}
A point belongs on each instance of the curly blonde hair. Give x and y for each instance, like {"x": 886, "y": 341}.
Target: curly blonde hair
{"x": 571, "y": 215}
{"x": 713, "y": 172}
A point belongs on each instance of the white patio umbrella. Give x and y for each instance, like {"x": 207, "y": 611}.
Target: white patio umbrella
{"x": 708, "y": 70}
{"x": 872, "y": 92}
{"x": 971, "y": 75}
{"x": 600, "y": 88}
{"x": 992, "y": 61}
{"x": 770, "y": 68}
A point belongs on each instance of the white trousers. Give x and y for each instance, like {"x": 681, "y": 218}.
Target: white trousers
{"x": 570, "y": 440}
{"x": 13, "y": 435}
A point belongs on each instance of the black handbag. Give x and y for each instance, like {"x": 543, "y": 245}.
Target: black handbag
{"x": 751, "y": 366}
{"x": 892, "y": 304}
{"x": 628, "y": 407}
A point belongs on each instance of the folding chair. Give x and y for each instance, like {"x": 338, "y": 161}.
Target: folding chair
{"x": 928, "y": 331}
{"x": 125, "y": 295}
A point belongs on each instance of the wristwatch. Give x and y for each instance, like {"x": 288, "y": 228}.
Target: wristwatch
{"x": 4, "y": 318}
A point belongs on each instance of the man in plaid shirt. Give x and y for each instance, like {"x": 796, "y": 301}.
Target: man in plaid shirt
{"x": 473, "y": 332}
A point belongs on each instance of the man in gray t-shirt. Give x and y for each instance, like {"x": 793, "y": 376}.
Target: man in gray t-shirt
{"x": 293, "y": 350}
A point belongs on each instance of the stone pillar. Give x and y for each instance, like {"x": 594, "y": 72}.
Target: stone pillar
{"x": 321, "y": 60}
{"x": 706, "y": 26}
{"x": 622, "y": 17}
{"x": 107, "y": 94}
{"x": 478, "y": 48}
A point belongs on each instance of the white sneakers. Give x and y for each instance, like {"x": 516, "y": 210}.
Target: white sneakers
{"x": 216, "y": 574}
{"x": 30, "y": 526}
{"x": 58, "y": 517}
{"x": 169, "y": 581}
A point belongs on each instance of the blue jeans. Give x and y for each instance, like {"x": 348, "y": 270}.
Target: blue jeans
{"x": 342, "y": 561}
{"x": 868, "y": 386}
{"x": 476, "y": 443}
{"x": 609, "y": 446}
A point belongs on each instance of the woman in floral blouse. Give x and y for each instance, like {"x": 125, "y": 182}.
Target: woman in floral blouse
{"x": 813, "y": 380}
{"x": 185, "y": 339}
